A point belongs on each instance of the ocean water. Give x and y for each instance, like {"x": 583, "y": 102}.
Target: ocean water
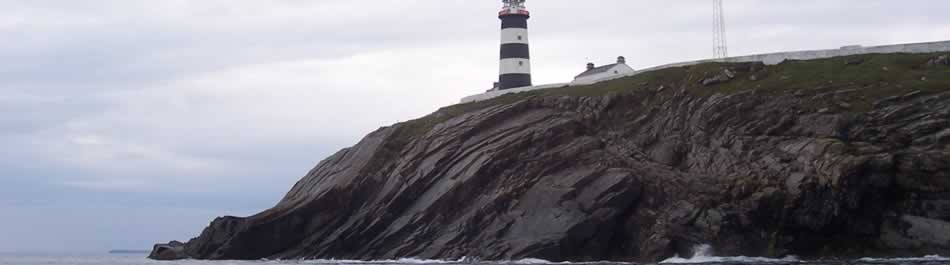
{"x": 12, "y": 259}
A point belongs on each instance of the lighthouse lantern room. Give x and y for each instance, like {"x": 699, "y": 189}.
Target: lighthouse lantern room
{"x": 515, "y": 66}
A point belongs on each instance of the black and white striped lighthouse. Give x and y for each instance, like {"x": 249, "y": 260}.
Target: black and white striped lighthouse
{"x": 515, "y": 66}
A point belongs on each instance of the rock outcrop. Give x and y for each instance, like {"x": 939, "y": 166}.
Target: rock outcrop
{"x": 172, "y": 251}
{"x": 636, "y": 174}
{"x": 940, "y": 60}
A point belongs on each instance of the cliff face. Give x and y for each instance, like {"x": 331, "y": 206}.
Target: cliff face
{"x": 839, "y": 157}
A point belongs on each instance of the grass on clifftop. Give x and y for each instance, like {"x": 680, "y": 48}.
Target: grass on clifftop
{"x": 876, "y": 77}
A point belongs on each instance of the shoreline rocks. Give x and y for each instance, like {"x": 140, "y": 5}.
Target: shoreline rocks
{"x": 171, "y": 251}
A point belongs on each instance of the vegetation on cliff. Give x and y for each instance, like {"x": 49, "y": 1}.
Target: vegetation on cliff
{"x": 846, "y": 156}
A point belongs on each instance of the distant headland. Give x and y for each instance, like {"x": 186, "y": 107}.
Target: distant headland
{"x": 129, "y": 251}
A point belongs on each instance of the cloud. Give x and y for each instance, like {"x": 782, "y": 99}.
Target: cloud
{"x": 221, "y": 105}
{"x": 185, "y": 127}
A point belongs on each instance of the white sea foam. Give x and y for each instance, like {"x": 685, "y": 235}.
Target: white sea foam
{"x": 464, "y": 260}
{"x": 704, "y": 254}
{"x": 924, "y": 258}
{"x": 527, "y": 261}
{"x": 391, "y": 261}
{"x": 531, "y": 261}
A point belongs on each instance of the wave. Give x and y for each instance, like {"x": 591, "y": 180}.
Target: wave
{"x": 704, "y": 254}
{"x": 390, "y": 261}
{"x": 533, "y": 261}
{"x": 527, "y": 261}
{"x": 924, "y": 258}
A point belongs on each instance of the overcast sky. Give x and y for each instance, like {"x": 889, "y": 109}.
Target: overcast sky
{"x": 128, "y": 122}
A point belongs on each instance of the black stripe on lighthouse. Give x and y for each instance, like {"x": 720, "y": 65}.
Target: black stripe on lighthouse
{"x": 515, "y": 50}
{"x": 514, "y": 21}
{"x": 507, "y": 81}
{"x": 515, "y": 66}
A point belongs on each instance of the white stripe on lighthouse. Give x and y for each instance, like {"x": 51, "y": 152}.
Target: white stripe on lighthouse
{"x": 514, "y": 35}
{"x": 515, "y": 66}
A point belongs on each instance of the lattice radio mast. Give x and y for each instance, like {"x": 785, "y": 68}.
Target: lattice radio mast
{"x": 720, "y": 45}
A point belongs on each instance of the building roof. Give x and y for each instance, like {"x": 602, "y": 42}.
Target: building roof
{"x": 597, "y": 70}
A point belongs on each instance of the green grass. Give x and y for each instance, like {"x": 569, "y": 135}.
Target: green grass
{"x": 408, "y": 131}
{"x": 879, "y": 76}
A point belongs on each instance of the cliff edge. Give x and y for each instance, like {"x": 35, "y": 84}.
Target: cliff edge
{"x": 839, "y": 157}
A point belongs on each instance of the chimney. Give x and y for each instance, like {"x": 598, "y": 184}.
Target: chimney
{"x": 621, "y": 60}
{"x": 590, "y": 66}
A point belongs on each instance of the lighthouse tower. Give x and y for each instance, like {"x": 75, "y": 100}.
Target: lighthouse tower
{"x": 515, "y": 67}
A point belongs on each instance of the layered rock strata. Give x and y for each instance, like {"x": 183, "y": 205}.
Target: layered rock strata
{"x": 640, "y": 174}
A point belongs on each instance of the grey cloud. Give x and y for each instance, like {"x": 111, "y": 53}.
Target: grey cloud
{"x": 115, "y": 108}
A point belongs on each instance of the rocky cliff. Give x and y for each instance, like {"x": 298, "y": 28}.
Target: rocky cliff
{"x": 839, "y": 157}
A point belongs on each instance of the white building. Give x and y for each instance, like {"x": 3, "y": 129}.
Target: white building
{"x": 594, "y": 74}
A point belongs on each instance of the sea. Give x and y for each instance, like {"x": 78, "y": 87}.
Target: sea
{"x": 139, "y": 259}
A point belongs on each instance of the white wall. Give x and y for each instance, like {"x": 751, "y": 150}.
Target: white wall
{"x": 776, "y": 58}
{"x": 495, "y": 93}
{"x": 617, "y": 70}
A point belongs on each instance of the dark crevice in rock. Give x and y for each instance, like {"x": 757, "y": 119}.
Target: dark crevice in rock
{"x": 634, "y": 175}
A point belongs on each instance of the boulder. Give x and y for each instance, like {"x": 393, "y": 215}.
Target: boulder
{"x": 725, "y": 76}
{"x": 941, "y": 60}
{"x": 915, "y": 232}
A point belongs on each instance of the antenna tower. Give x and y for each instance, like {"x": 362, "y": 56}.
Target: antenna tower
{"x": 720, "y": 45}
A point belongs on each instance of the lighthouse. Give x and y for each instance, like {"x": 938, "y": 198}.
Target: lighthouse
{"x": 515, "y": 66}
